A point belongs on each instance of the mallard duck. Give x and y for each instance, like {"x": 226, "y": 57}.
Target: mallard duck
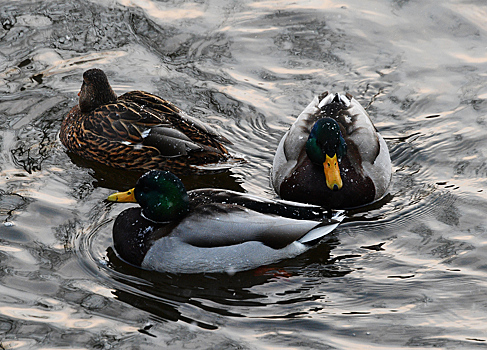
{"x": 140, "y": 131}
{"x": 332, "y": 156}
{"x": 211, "y": 230}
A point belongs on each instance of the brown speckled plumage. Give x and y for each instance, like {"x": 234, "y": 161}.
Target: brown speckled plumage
{"x": 138, "y": 131}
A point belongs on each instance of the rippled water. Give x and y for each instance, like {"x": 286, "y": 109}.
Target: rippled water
{"x": 408, "y": 272}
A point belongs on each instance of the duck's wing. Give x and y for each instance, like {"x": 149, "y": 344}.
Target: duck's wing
{"x": 218, "y": 225}
{"x": 289, "y": 209}
{"x": 357, "y": 129}
{"x": 291, "y": 149}
{"x": 123, "y": 122}
{"x": 177, "y": 118}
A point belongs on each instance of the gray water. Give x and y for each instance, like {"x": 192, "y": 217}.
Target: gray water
{"x": 409, "y": 272}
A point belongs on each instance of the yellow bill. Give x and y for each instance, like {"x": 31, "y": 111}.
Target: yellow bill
{"x": 123, "y": 197}
{"x": 332, "y": 173}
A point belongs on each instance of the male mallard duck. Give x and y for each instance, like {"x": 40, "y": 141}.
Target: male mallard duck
{"x": 332, "y": 156}
{"x": 211, "y": 230}
{"x": 139, "y": 131}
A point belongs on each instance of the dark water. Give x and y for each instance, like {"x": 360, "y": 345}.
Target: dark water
{"x": 408, "y": 272}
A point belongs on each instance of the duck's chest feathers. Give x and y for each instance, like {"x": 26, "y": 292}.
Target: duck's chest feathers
{"x": 72, "y": 130}
{"x": 134, "y": 235}
{"x": 307, "y": 184}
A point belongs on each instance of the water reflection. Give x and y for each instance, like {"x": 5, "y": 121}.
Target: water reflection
{"x": 120, "y": 179}
{"x": 179, "y": 297}
{"x": 9, "y": 204}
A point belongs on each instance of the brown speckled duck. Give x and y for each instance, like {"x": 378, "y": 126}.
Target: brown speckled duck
{"x": 332, "y": 156}
{"x": 140, "y": 131}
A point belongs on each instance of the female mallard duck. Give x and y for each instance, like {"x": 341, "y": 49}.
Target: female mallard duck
{"x": 139, "y": 131}
{"x": 211, "y": 230}
{"x": 332, "y": 156}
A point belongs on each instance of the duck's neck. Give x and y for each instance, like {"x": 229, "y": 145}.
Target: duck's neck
{"x": 91, "y": 98}
{"x": 325, "y": 139}
{"x": 162, "y": 196}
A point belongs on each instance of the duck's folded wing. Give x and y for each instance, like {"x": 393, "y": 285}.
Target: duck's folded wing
{"x": 131, "y": 125}
{"x": 298, "y": 133}
{"x": 288, "y": 209}
{"x": 172, "y": 142}
{"x": 323, "y": 229}
{"x": 291, "y": 148}
{"x": 359, "y": 130}
{"x": 124, "y": 122}
{"x": 177, "y": 117}
{"x": 223, "y": 225}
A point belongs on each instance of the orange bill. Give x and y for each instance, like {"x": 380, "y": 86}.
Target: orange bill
{"x": 122, "y": 197}
{"x": 332, "y": 173}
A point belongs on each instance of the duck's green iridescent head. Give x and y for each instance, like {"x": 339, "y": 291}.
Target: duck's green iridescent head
{"x": 161, "y": 195}
{"x": 326, "y": 147}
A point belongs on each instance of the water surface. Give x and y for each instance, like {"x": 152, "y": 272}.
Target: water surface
{"x": 408, "y": 272}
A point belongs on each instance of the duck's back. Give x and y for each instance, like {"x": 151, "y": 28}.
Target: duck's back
{"x": 175, "y": 118}
{"x": 141, "y": 131}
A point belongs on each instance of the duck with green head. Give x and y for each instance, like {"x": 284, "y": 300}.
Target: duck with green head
{"x": 332, "y": 156}
{"x": 211, "y": 230}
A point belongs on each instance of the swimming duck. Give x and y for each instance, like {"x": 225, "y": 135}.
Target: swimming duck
{"x": 332, "y": 156}
{"x": 211, "y": 230}
{"x": 140, "y": 131}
